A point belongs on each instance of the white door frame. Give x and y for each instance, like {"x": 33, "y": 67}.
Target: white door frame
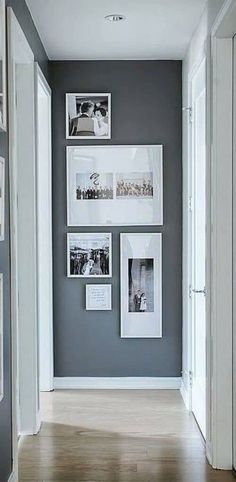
{"x": 23, "y": 302}
{"x": 44, "y": 235}
{"x": 220, "y": 241}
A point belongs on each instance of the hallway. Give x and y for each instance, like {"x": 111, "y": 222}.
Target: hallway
{"x": 120, "y": 435}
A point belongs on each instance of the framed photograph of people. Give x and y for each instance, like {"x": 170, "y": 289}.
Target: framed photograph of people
{"x": 88, "y": 116}
{"x": 3, "y": 98}
{"x": 89, "y": 255}
{"x": 1, "y": 338}
{"x": 2, "y": 198}
{"x": 114, "y": 185}
{"x": 141, "y": 285}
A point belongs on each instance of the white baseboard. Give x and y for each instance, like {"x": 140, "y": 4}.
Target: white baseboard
{"x": 12, "y": 477}
{"x": 119, "y": 383}
{"x": 185, "y": 394}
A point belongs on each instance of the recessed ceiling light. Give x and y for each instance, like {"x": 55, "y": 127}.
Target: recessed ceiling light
{"x": 115, "y": 18}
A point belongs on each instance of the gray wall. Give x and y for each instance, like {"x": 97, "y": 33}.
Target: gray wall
{"x": 146, "y": 109}
{"x": 26, "y": 22}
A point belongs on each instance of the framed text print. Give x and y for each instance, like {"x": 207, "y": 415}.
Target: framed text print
{"x": 114, "y": 185}
{"x": 89, "y": 255}
{"x": 98, "y": 297}
{"x": 88, "y": 116}
{"x": 141, "y": 285}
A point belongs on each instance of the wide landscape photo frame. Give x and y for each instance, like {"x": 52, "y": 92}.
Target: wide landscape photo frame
{"x": 115, "y": 185}
{"x": 88, "y": 116}
{"x": 141, "y": 285}
{"x": 89, "y": 255}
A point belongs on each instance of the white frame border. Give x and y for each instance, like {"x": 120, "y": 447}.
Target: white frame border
{"x": 114, "y": 146}
{"x": 100, "y": 285}
{"x": 86, "y": 94}
{"x": 94, "y": 275}
{"x": 161, "y": 290}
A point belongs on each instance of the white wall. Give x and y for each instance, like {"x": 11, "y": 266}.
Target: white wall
{"x": 199, "y": 45}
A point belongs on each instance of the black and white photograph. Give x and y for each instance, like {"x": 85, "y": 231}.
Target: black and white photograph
{"x": 115, "y": 185}
{"x": 141, "y": 285}
{"x": 132, "y": 185}
{"x": 88, "y": 116}
{"x": 94, "y": 186}
{"x": 89, "y": 255}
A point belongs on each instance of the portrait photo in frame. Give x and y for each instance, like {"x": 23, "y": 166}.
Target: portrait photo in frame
{"x": 88, "y": 116}
{"x": 141, "y": 285}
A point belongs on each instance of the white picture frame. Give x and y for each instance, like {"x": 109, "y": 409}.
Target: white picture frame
{"x": 92, "y": 123}
{"x": 2, "y": 199}
{"x": 1, "y": 340}
{"x": 89, "y": 255}
{"x": 3, "y": 94}
{"x": 140, "y": 167}
{"x": 141, "y": 285}
{"x": 98, "y": 297}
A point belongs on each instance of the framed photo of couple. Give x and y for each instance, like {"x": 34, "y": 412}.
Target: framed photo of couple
{"x": 88, "y": 116}
{"x": 141, "y": 285}
{"x": 114, "y": 185}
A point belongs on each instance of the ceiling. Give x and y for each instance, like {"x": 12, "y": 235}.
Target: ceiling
{"x": 153, "y": 29}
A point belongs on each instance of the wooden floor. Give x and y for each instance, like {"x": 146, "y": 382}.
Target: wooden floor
{"x": 116, "y": 436}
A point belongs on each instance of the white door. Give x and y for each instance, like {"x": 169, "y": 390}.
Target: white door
{"x": 44, "y": 230}
{"x": 23, "y": 229}
{"x": 198, "y": 87}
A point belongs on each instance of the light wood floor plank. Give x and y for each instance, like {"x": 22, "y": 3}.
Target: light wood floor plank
{"x": 116, "y": 436}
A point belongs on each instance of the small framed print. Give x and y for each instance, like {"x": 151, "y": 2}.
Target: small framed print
{"x": 114, "y": 185}
{"x": 98, "y": 297}
{"x": 2, "y": 198}
{"x": 89, "y": 255}
{"x": 1, "y": 339}
{"x": 88, "y": 116}
{"x": 141, "y": 285}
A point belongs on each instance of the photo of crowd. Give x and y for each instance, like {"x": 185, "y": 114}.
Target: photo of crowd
{"x": 134, "y": 185}
{"x": 94, "y": 186}
{"x": 88, "y": 116}
{"x": 89, "y": 254}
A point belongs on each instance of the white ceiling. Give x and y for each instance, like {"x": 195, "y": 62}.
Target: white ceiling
{"x": 154, "y": 29}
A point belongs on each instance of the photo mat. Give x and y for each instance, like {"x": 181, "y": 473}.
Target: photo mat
{"x": 141, "y": 285}
{"x": 114, "y": 185}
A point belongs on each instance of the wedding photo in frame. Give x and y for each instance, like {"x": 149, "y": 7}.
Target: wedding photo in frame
{"x": 88, "y": 116}
{"x": 3, "y": 99}
{"x": 89, "y": 255}
{"x": 1, "y": 339}
{"x": 141, "y": 285}
{"x": 114, "y": 185}
{"x": 2, "y": 198}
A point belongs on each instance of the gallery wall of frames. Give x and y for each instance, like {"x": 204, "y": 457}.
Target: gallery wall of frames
{"x": 117, "y": 217}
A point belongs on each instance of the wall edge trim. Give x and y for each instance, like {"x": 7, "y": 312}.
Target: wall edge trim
{"x": 185, "y": 394}
{"x": 12, "y": 477}
{"x": 119, "y": 383}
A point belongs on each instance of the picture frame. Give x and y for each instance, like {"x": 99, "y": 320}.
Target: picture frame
{"x": 98, "y": 297}
{"x": 2, "y": 199}
{"x": 3, "y": 80}
{"x": 141, "y": 285}
{"x": 89, "y": 255}
{"x": 88, "y": 116}
{"x": 114, "y": 185}
{"x": 1, "y": 340}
